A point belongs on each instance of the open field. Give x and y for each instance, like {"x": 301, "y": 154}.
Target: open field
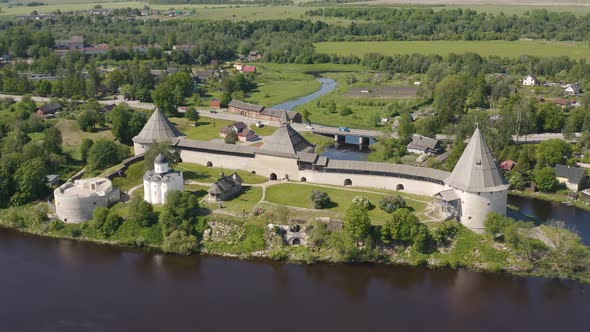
{"x": 202, "y": 173}
{"x": 484, "y": 48}
{"x": 298, "y": 195}
{"x": 207, "y": 129}
{"x": 382, "y": 92}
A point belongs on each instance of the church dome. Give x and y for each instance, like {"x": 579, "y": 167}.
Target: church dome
{"x": 161, "y": 159}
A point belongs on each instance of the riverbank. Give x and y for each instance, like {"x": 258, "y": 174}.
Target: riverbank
{"x": 458, "y": 248}
{"x": 553, "y": 197}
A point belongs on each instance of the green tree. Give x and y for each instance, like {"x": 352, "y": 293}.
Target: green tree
{"x": 231, "y": 137}
{"x": 180, "y": 242}
{"x": 99, "y": 217}
{"x": 192, "y": 114}
{"x": 406, "y": 128}
{"x": 164, "y": 98}
{"x": 450, "y": 96}
{"x": 141, "y": 212}
{"x": 357, "y": 222}
{"x": 88, "y": 120}
{"x": 496, "y": 223}
{"x": 85, "y": 147}
{"x": 179, "y": 212}
{"x": 111, "y": 225}
{"x": 390, "y": 203}
{"x": 545, "y": 179}
{"x": 30, "y": 181}
{"x": 405, "y": 228}
{"x": 165, "y": 148}
{"x": 454, "y": 155}
{"x": 104, "y": 154}
{"x": 126, "y": 123}
{"x": 44, "y": 88}
{"x": 553, "y": 151}
{"x": 320, "y": 199}
{"x": 52, "y": 140}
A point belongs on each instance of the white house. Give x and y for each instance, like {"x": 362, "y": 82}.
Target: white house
{"x": 161, "y": 180}
{"x": 530, "y": 80}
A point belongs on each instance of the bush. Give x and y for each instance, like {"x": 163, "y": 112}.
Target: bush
{"x": 179, "y": 242}
{"x": 191, "y": 114}
{"x": 362, "y": 202}
{"x": 231, "y": 137}
{"x": 497, "y": 224}
{"x": 405, "y": 228}
{"x": 391, "y": 203}
{"x": 320, "y": 199}
{"x": 345, "y": 111}
{"x": 545, "y": 179}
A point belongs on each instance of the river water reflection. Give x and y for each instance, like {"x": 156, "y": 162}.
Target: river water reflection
{"x": 61, "y": 285}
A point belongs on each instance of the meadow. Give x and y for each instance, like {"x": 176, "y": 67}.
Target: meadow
{"x": 485, "y": 48}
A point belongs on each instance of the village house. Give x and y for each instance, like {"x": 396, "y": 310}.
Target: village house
{"x": 238, "y": 66}
{"x": 254, "y": 56}
{"x": 225, "y": 188}
{"x": 530, "y": 80}
{"x": 202, "y": 76}
{"x": 507, "y": 165}
{"x": 74, "y": 43}
{"x": 424, "y": 145}
{"x": 183, "y": 47}
{"x": 48, "y": 110}
{"x": 216, "y": 103}
{"x": 244, "y": 133}
{"x": 573, "y": 89}
{"x": 264, "y": 114}
{"x": 249, "y": 69}
{"x": 573, "y": 177}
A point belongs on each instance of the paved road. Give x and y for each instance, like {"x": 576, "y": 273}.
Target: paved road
{"x": 533, "y": 138}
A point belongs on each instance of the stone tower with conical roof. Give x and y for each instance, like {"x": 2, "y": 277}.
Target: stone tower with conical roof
{"x": 157, "y": 129}
{"x": 479, "y": 186}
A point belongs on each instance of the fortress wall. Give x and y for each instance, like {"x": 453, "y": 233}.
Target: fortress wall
{"x": 373, "y": 181}
{"x": 217, "y": 160}
{"x": 475, "y": 208}
{"x": 283, "y": 168}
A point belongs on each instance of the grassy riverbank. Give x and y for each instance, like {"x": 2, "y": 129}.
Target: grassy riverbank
{"x": 247, "y": 238}
{"x": 553, "y": 197}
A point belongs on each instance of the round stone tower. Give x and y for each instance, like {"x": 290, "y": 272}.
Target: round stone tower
{"x": 478, "y": 184}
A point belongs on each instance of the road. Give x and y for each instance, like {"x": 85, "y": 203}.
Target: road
{"x": 528, "y": 139}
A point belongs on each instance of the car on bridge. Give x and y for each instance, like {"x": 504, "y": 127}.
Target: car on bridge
{"x": 344, "y": 129}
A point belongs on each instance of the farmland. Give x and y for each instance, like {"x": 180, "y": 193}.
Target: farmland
{"x": 484, "y": 48}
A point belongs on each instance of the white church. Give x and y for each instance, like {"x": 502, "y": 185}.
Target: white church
{"x": 159, "y": 181}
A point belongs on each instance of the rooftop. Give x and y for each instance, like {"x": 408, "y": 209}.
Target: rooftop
{"x": 245, "y": 106}
{"x": 158, "y": 128}
{"x": 288, "y": 141}
{"x": 476, "y": 170}
{"x": 573, "y": 174}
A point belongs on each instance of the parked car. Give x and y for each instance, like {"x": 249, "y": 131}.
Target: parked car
{"x": 345, "y": 129}
{"x": 213, "y": 111}
{"x": 309, "y": 127}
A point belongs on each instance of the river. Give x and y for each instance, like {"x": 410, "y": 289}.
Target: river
{"x": 327, "y": 85}
{"x": 55, "y": 285}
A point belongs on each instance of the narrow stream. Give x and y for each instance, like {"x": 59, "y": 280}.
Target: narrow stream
{"x": 327, "y": 85}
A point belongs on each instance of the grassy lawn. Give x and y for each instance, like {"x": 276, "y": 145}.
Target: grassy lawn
{"x": 245, "y": 202}
{"x": 276, "y": 85}
{"x": 72, "y": 136}
{"x": 264, "y": 131}
{"x": 133, "y": 176}
{"x": 321, "y": 142}
{"x": 364, "y": 110}
{"x": 202, "y": 173}
{"x": 207, "y": 129}
{"x": 298, "y": 195}
{"x": 484, "y": 48}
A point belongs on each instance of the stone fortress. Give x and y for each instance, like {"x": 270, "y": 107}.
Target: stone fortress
{"x": 75, "y": 201}
{"x": 474, "y": 188}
